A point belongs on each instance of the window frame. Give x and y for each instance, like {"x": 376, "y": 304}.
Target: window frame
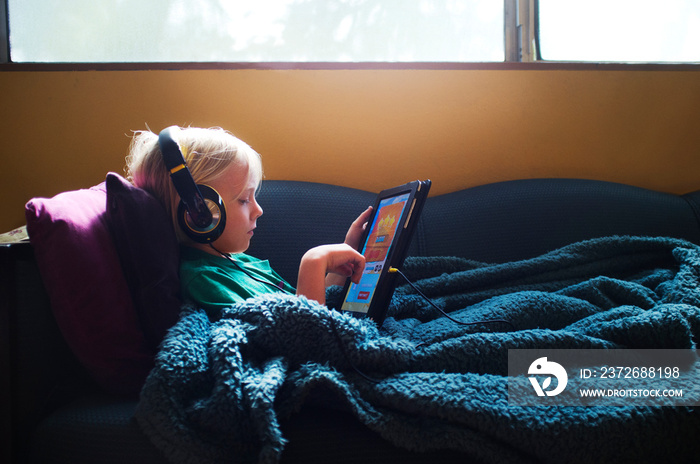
{"x": 521, "y": 47}
{"x": 4, "y": 33}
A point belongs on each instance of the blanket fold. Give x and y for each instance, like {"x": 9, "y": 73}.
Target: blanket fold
{"x": 221, "y": 388}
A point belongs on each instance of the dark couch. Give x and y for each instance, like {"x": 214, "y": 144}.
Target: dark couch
{"x": 54, "y": 412}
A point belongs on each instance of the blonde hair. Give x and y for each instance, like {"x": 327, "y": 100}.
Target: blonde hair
{"x": 207, "y": 153}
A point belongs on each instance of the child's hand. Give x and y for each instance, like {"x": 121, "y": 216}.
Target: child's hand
{"x": 340, "y": 259}
{"x": 358, "y": 226}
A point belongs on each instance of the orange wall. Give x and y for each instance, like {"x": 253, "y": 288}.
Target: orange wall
{"x": 369, "y": 129}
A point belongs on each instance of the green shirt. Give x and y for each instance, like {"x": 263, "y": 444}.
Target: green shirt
{"x": 214, "y": 283}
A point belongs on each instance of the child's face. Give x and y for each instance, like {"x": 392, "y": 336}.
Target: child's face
{"x": 242, "y": 209}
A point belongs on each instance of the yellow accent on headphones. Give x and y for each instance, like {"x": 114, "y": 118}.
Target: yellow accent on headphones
{"x": 177, "y": 168}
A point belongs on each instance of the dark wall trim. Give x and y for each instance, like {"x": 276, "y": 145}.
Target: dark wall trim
{"x": 276, "y": 66}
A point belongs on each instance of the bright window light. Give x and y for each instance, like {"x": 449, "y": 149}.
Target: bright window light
{"x": 256, "y": 30}
{"x": 620, "y": 30}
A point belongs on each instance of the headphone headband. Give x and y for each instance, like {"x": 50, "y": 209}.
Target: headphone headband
{"x": 185, "y": 185}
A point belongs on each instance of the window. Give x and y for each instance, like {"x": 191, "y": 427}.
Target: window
{"x": 619, "y": 30}
{"x": 256, "y": 30}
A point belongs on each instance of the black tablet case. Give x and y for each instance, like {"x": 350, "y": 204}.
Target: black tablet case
{"x": 418, "y": 192}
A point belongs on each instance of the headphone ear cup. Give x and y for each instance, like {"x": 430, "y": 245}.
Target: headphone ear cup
{"x": 218, "y": 211}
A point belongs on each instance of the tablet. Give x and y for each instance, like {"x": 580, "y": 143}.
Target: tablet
{"x": 384, "y": 245}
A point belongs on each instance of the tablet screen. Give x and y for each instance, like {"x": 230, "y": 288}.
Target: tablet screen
{"x": 376, "y": 251}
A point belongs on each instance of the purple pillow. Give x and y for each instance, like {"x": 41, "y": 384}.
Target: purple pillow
{"x": 89, "y": 295}
{"x": 149, "y": 254}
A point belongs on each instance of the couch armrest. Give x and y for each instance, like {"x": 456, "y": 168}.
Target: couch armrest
{"x": 39, "y": 372}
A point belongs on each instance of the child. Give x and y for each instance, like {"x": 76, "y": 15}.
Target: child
{"x": 216, "y": 275}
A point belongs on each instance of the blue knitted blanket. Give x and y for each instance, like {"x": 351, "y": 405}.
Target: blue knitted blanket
{"x": 221, "y": 387}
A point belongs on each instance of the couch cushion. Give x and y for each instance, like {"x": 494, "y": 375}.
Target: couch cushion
{"x": 149, "y": 255}
{"x": 312, "y": 213}
{"x": 520, "y": 219}
{"x": 89, "y": 295}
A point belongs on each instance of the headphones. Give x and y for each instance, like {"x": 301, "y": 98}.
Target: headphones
{"x": 201, "y": 213}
